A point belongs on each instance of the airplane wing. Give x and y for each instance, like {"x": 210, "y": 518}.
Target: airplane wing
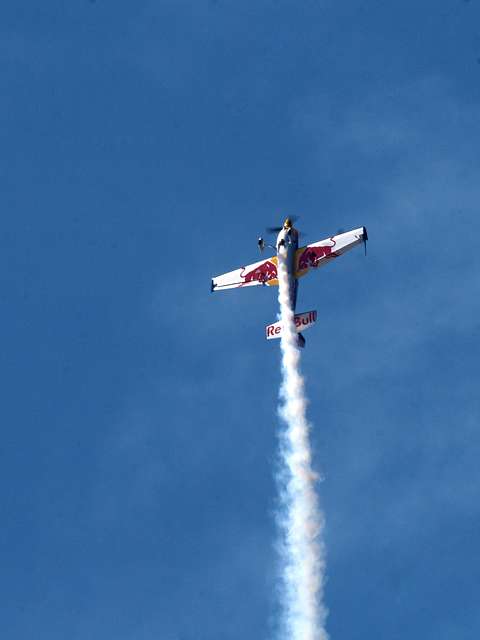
{"x": 263, "y": 272}
{"x": 319, "y": 253}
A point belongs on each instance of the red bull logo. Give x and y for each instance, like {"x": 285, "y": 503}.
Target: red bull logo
{"x": 312, "y": 256}
{"x": 263, "y": 273}
{"x": 302, "y": 321}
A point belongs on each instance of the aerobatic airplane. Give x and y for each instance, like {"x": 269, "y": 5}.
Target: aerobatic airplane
{"x": 298, "y": 260}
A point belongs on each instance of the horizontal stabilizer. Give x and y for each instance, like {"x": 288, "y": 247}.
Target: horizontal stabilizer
{"x": 302, "y": 321}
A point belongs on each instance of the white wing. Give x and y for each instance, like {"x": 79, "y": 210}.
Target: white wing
{"x": 319, "y": 253}
{"x": 262, "y": 272}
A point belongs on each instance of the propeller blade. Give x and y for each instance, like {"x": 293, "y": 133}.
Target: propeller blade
{"x": 278, "y": 229}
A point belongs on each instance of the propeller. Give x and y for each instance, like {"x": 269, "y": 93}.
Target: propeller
{"x": 273, "y": 229}
{"x": 278, "y": 229}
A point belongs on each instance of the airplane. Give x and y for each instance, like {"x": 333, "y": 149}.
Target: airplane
{"x": 298, "y": 260}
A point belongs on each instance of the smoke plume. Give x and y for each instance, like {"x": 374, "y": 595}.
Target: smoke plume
{"x": 301, "y": 519}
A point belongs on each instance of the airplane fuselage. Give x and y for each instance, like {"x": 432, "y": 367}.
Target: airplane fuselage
{"x": 288, "y": 238}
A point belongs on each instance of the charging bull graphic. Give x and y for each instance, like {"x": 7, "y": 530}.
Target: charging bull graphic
{"x": 312, "y": 255}
{"x": 263, "y": 273}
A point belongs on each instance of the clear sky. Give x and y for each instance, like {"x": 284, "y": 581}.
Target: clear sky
{"x": 144, "y": 147}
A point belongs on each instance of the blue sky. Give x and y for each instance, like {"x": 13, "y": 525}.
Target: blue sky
{"x": 144, "y": 148}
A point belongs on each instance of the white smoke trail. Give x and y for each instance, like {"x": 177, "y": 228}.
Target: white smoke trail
{"x": 301, "y": 519}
